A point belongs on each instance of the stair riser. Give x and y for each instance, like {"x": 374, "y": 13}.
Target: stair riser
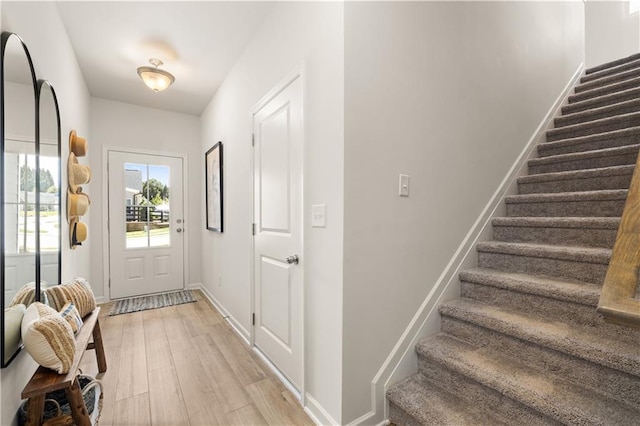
{"x": 622, "y": 159}
{"x": 475, "y": 393}
{"x": 613, "y": 382}
{"x": 575, "y": 185}
{"x": 613, "y": 142}
{"x": 584, "y": 118}
{"x": 589, "y": 82}
{"x": 584, "y": 237}
{"x": 614, "y": 98}
{"x": 602, "y": 91}
{"x": 573, "y": 269}
{"x": 398, "y": 416}
{"x": 622, "y": 122}
{"x": 605, "y": 208}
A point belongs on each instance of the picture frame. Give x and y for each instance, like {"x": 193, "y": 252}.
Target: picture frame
{"x": 213, "y": 188}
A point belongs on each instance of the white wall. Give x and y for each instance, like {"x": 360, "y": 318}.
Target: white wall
{"x": 449, "y": 93}
{"x": 118, "y": 124}
{"x": 43, "y": 32}
{"x": 610, "y": 31}
{"x": 295, "y": 32}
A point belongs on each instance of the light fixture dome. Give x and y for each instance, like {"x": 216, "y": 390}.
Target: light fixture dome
{"x": 155, "y": 78}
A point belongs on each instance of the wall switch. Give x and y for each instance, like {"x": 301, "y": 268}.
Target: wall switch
{"x": 318, "y": 215}
{"x": 403, "y": 189}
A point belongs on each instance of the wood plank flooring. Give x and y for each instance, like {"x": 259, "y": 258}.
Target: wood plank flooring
{"x": 184, "y": 365}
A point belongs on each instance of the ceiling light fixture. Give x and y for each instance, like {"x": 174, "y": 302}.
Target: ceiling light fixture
{"x": 155, "y": 78}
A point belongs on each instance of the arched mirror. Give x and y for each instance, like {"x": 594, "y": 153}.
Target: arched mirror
{"x": 49, "y": 178}
{"x": 19, "y": 230}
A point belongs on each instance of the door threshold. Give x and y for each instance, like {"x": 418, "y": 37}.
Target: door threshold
{"x": 296, "y": 393}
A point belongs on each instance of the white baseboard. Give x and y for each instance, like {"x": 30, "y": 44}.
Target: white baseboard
{"x": 243, "y": 332}
{"x": 403, "y": 361}
{"x": 100, "y": 300}
{"x": 318, "y": 414}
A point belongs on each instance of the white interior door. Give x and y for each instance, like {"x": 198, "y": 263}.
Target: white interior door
{"x": 278, "y": 280}
{"x": 146, "y": 247}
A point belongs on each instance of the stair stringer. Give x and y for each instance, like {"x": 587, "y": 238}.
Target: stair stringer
{"x": 402, "y": 361}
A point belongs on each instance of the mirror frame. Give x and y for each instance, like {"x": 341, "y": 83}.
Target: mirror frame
{"x": 40, "y": 85}
{"x": 4, "y": 39}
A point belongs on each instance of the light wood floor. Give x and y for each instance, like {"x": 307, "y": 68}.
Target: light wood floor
{"x": 184, "y": 365}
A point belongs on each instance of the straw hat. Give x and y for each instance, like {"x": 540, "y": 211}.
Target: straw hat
{"x": 77, "y": 232}
{"x": 78, "y": 173}
{"x": 77, "y": 203}
{"x": 77, "y": 145}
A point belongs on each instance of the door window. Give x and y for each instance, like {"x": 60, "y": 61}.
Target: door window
{"x": 146, "y": 204}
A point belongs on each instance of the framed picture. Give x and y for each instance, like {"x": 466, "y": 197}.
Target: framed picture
{"x": 213, "y": 176}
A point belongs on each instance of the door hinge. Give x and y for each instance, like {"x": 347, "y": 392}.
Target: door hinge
{"x": 253, "y": 139}
{"x": 253, "y": 229}
{"x": 253, "y": 319}
{"x": 109, "y": 282}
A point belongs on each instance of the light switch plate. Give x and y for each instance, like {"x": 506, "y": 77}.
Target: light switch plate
{"x": 403, "y": 189}
{"x": 318, "y": 215}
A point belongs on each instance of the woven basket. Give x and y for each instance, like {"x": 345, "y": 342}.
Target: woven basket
{"x": 56, "y": 403}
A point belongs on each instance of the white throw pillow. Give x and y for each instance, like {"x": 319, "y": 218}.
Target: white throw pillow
{"x": 48, "y": 338}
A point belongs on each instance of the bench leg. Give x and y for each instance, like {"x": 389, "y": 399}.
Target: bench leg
{"x": 76, "y": 403}
{"x": 97, "y": 342}
{"x": 35, "y": 409}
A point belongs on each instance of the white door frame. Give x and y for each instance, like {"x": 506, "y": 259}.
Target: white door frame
{"x": 105, "y": 209}
{"x": 297, "y": 73}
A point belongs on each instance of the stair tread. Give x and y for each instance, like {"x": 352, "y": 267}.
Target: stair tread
{"x": 589, "y": 81}
{"x": 608, "y": 89}
{"x": 429, "y": 404}
{"x": 562, "y": 289}
{"x": 547, "y": 251}
{"x": 602, "y": 100}
{"x": 629, "y": 131}
{"x": 559, "y": 222}
{"x": 547, "y": 393}
{"x": 584, "y": 115}
{"x": 578, "y": 341}
{"x": 593, "y": 124}
{"x": 600, "y": 195}
{"x": 613, "y": 67}
{"x": 577, "y": 156}
{"x": 578, "y": 174}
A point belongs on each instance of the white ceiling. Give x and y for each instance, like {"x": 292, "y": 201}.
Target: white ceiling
{"x": 198, "y": 42}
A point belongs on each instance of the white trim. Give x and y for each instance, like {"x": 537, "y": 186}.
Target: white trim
{"x": 297, "y": 73}
{"x": 402, "y": 360}
{"x": 242, "y": 332}
{"x": 105, "y": 208}
{"x": 318, "y": 414}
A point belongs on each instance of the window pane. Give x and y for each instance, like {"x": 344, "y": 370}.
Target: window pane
{"x": 158, "y": 188}
{"x": 147, "y": 205}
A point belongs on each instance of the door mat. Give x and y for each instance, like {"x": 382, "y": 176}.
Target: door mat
{"x": 142, "y": 303}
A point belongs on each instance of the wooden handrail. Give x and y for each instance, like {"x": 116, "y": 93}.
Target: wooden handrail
{"x": 617, "y": 302}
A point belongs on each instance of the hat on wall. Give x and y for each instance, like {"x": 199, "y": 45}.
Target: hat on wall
{"x": 77, "y": 232}
{"x": 77, "y": 203}
{"x": 77, "y": 145}
{"x": 78, "y": 173}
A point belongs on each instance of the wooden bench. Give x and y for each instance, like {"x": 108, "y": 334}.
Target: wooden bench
{"x": 45, "y": 380}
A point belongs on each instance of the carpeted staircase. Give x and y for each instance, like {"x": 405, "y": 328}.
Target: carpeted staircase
{"x": 524, "y": 344}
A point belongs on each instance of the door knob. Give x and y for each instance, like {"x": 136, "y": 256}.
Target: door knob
{"x": 179, "y": 230}
{"x": 293, "y": 259}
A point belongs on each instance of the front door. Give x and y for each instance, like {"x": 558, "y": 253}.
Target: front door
{"x": 278, "y": 279}
{"x": 146, "y": 247}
